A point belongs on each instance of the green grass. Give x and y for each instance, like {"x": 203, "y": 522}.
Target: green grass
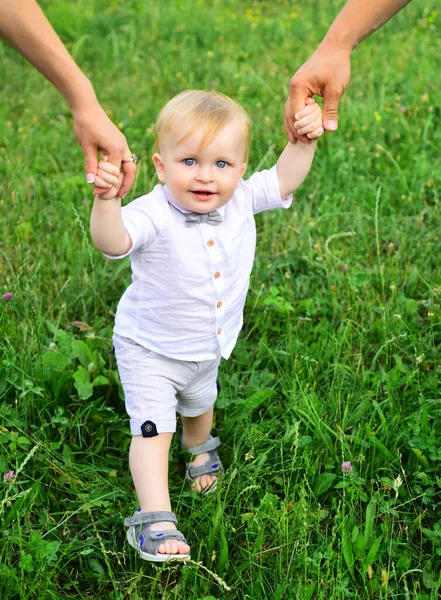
{"x": 339, "y": 356}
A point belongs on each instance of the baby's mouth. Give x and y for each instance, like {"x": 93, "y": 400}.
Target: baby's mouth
{"x": 202, "y": 193}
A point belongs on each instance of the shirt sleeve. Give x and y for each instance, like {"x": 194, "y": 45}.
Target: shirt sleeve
{"x": 262, "y": 189}
{"x": 138, "y": 225}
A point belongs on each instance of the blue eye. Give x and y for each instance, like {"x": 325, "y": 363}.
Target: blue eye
{"x": 221, "y": 164}
{"x": 189, "y": 162}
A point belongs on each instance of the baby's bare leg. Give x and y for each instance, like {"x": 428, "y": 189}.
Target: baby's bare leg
{"x": 149, "y": 468}
{"x": 195, "y": 431}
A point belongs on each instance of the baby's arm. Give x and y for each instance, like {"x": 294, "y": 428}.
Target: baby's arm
{"x": 106, "y": 224}
{"x": 295, "y": 161}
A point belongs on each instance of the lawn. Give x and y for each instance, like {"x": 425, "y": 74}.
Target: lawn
{"x": 339, "y": 357}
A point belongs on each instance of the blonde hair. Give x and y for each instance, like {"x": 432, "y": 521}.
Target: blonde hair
{"x": 200, "y": 109}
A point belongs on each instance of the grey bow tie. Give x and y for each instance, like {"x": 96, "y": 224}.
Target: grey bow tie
{"x": 212, "y": 218}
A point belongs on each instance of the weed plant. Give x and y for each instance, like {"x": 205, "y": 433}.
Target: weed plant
{"x": 338, "y": 360}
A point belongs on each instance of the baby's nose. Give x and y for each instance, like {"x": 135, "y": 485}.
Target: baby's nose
{"x": 205, "y": 173}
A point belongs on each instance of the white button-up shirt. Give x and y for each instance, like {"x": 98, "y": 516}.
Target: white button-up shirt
{"x": 189, "y": 284}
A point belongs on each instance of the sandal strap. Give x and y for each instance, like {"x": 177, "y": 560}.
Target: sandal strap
{"x": 148, "y": 518}
{"x": 149, "y": 541}
{"x": 212, "y": 466}
{"x": 211, "y": 444}
{"x": 164, "y": 534}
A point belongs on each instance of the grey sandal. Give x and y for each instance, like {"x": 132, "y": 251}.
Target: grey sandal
{"x": 213, "y": 465}
{"x": 147, "y": 541}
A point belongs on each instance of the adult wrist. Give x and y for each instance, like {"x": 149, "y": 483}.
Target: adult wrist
{"x": 338, "y": 42}
{"x": 81, "y": 96}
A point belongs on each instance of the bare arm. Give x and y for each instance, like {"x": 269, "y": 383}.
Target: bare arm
{"x": 24, "y": 26}
{"x": 293, "y": 166}
{"x": 106, "y": 223}
{"x": 107, "y": 228}
{"x": 359, "y": 18}
{"x": 328, "y": 70}
{"x": 295, "y": 161}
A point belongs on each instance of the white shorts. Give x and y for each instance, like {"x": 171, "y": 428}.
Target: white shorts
{"x": 156, "y": 387}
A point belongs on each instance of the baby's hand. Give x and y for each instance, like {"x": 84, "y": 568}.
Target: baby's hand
{"x": 309, "y": 120}
{"x": 109, "y": 177}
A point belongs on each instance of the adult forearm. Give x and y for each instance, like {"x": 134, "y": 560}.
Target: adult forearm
{"x": 24, "y": 26}
{"x": 358, "y": 19}
{"x": 107, "y": 227}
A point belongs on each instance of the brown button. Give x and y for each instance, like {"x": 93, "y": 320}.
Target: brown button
{"x": 219, "y": 331}
{"x": 210, "y": 243}
{"x": 217, "y": 275}
{"x": 219, "y": 304}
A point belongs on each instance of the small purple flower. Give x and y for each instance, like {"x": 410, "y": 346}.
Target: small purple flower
{"x": 9, "y": 476}
{"x": 403, "y": 109}
{"x": 346, "y": 467}
{"x": 345, "y": 267}
{"x": 8, "y": 296}
{"x": 213, "y": 83}
{"x": 431, "y": 85}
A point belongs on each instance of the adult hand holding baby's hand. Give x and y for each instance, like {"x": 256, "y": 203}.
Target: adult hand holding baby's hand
{"x": 108, "y": 177}
{"x": 325, "y": 74}
{"x": 95, "y": 132}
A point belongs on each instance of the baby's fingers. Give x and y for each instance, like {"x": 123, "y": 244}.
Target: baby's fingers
{"x": 316, "y": 133}
{"x": 104, "y": 175}
{"x": 310, "y": 127}
{"x": 102, "y": 183}
{"x": 307, "y": 120}
{"x": 107, "y": 166}
{"x": 308, "y": 110}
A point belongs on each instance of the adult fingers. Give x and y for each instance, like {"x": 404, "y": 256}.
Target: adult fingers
{"x": 298, "y": 93}
{"x": 91, "y": 163}
{"x": 118, "y": 156}
{"x": 303, "y": 138}
{"x": 129, "y": 171}
{"x": 332, "y": 98}
{"x": 116, "y": 152}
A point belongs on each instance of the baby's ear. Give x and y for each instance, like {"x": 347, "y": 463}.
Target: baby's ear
{"x": 243, "y": 169}
{"x": 159, "y": 166}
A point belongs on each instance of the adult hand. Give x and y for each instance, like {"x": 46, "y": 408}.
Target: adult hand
{"x": 326, "y": 74}
{"x": 24, "y": 26}
{"x": 95, "y": 133}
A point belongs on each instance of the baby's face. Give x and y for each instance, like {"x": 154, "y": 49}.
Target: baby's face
{"x": 203, "y": 179}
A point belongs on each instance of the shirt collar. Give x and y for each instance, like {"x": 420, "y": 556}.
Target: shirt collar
{"x": 173, "y": 202}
